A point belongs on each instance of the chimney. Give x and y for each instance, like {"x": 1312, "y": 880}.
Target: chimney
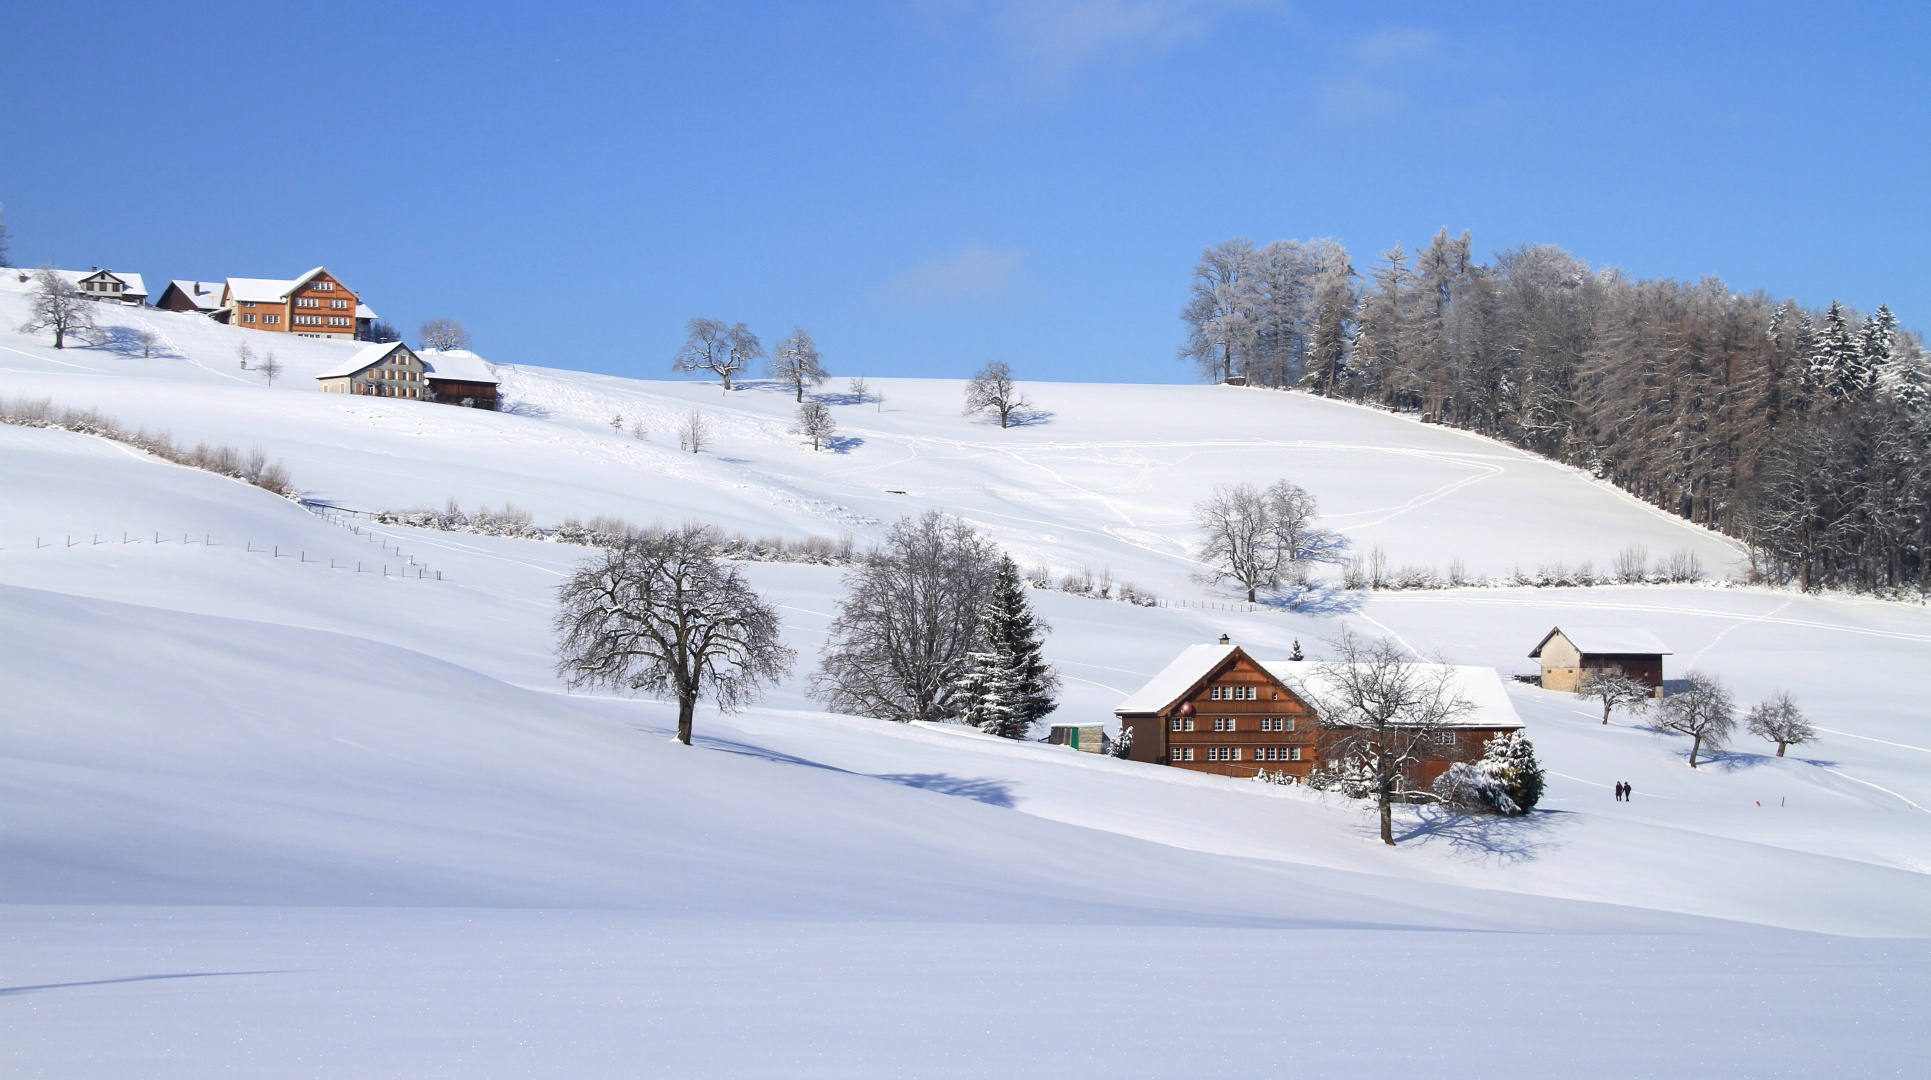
{"x": 1224, "y": 640}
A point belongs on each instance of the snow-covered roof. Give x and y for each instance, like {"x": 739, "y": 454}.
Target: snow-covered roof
{"x": 364, "y": 357}
{"x": 1194, "y": 663}
{"x": 363, "y": 311}
{"x": 134, "y": 285}
{"x": 259, "y": 290}
{"x": 1606, "y": 639}
{"x": 1479, "y": 686}
{"x": 206, "y": 295}
{"x": 457, "y": 365}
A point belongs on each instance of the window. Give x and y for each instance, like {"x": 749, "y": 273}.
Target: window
{"x": 247, "y": 303}
{"x": 1232, "y": 693}
{"x": 308, "y": 320}
{"x": 271, "y": 318}
{"x": 1444, "y": 738}
{"x": 1223, "y": 723}
{"x": 1223, "y": 753}
{"x": 1184, "y": 753}
{"x": 1293, "y": 753}
{"x": 247, "y": 318}
{"x": 307, "y": 301}
{"x": 339, "y": 320}
{"x": 338, "y": 303}
{"x": 322, "y": 286}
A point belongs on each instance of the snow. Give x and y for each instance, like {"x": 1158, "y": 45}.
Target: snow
{"x": 368, "y": 354}
{"x": 459, "y": 365}
{"x": 272, "y": 815}
{"x": 1607, "y": 639}
{"x": 1480, "y": 687}
{"x": 1178, "y": 677}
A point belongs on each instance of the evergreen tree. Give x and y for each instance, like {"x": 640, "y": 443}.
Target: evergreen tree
{"x": 1510, "y": 758}
{"x": 1875, "y": 345}
{"x": 1009, "y": 685}
{"x": 1836, "y": 363}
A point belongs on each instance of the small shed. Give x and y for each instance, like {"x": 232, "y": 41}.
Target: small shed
{"x": 1089, "y": 738}
{"x": 460, "y": 377}
{"x": 1567, "y": 655}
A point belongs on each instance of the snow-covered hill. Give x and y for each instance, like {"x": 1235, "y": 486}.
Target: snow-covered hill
{"x": 269, "y": 815}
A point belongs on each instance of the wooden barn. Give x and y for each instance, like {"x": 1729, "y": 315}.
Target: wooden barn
{"x": 1567, "y": 654}
{"x": 1216, "y": 709}
{"x": 1089, "y": 738}
{"x": 460, "y": 377}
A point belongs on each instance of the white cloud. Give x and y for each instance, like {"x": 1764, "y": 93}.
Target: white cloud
{"x": 976, "y": 275}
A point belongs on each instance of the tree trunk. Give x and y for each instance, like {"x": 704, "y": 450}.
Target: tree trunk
{"x": 1250, "y": 594}
{"x": 1780, "y": 746}
{"x": 1696, "y": 743}
{"x": 1387, "y": 818}
{"x": 1605, "y": 710}
{"x": 686, "y": 705}
{"x": 60, "y": 336}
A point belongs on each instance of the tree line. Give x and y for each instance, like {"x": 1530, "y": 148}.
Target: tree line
{"x": 1801, "y": 432}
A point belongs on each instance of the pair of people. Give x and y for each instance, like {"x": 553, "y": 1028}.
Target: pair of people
{"x": 1622, "y": 791}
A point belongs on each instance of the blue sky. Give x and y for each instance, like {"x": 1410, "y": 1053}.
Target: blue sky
{"x": 927, "y": 185}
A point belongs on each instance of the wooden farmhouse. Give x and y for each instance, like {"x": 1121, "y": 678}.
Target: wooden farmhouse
{"x": 385, "y": 369}
{"x": 460, "y": 377}
{"x": 314, "y": 305}
{"x": 200, "y": 296}
{"x": 1567, "y": 654}
{"x": 1216, "y": 709}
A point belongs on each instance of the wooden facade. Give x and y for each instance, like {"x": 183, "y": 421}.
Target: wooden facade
{"x": 316, "y": 305}
{"x": 1567, "y": 657}
{"x": 1087, "y": 738}
{"x": 1231, "y": 715}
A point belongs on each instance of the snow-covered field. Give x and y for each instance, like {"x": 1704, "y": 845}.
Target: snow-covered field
{"x": 269, "y": 816}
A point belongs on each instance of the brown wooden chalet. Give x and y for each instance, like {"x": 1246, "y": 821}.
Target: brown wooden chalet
{"x": 1216, "y": 709}
{"x": 316, "y": 305}
{"x": 1567, "y": 655}
{"x": 199, "y": 296}
{"x": 460, "y": 377}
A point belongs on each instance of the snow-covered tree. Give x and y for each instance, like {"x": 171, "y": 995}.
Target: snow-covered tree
{"x": 1704, "y": 711}
{"x": 1778, "y": 720}
{"x": 816, "y": 423}
{"x": 694, "y": 434}
{"x": 710, "y": 345}
{"x": 1876, "y": 345}
{"x": 1383, "y": 717}
{"x": 6, "y": 240}
{"x": 1836, "y": 363}
{"x": 56, "y": 304}
{"x": 1614, "y": 689}
{"x": 270, "y": 368}
{"x": 1222, "y": 310}
{"x": 1253, "y": 535}
{"x": 1123, "y": 746}
{"x": 993, "y": 390}
{"x": 1009, "y": 686}
{"x": 797, "y": 364}
{"x": 1510, "y": 758}
{"x": 443, "y": 334}
{"x": 659, "y": 613}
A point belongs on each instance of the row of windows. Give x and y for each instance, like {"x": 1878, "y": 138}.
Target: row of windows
{"x": 322, "y": 286}
{"x": 103, "y": 286}
{"x": 265, "y": 318}
{"x": 1231, "y": 723}
{"x": 310, "y": 301}
{"x": 1233, "y": 693}
{"x": 1233, "y": 753}
{"x": 308, "y": 320}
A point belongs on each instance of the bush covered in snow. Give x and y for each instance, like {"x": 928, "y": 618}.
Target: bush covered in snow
{"x": 252, "y": 467}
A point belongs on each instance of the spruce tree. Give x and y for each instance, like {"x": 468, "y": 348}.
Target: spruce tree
{"x": 1510, "y": 758}
{"x": 1009, "y": 685}
{"x": 1874, "y": 346}
{"x": 1836, "y": 363}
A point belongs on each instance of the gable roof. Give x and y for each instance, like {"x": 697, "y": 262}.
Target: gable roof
{"x": 457, "y": 365}
{"x": 364, "y": 357}
{"x": 255, "y": 290}
{"x": 1194, "y": 663}
{"x": 1607, "y": 639}
{"x": 206, "y": 300}
{"x": 134, "y": 285}
{"x": 1479, "y": 686}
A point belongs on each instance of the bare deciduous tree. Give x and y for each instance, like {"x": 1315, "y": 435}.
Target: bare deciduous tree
{"x": 1614, "y": 689}
{"x": 444, "y": 334}
{"x": 992, "y": 390}
{"x": 616, "y": 423}
{"x": 815, "y": 423}
{"x": 1254, "y": 535}
{"x": 6, "y": 241}
{"x": 860, "y": 390}
{"x": 638, "y": 430}
{"x": 1778, "y": 720}
{"x": 1385, "y": 717}
{"x": 1704, "y": 711}
{"x": 147, "y": 340}
{"x": 710, "y": 345}
{"x": 270, "y": 368}
{"x": 244, "y": 354}
{"x": 694, "y": 434}
{"x": 662, "y": 615}
{"x": 1221, "y": 313}
{"x": 905, "y": 632}
{"x": 55, "y": 304}
{"x": 797, "y": 364}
